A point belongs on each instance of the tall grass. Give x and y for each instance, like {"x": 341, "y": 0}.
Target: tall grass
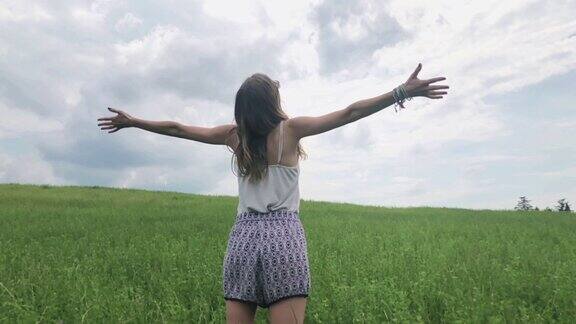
{"x": 96, "y": 254}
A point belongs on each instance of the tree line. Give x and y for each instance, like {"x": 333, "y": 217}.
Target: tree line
{"x": 524, "y": 204}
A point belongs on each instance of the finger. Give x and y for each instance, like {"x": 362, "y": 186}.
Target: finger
{"x": 113, "y": 110}
{"x": 114, "y": 130}
{"x": 106, "y": 124}
{"x": 415, "y": 73}
{"x": 107, "y": 127}
{"x": 106, "y": 118}
{"x": 434, "y": 80}
{"x": 434, "y": 97}
{"x": 436, "y": 87}
{"x": 435, "y": 93}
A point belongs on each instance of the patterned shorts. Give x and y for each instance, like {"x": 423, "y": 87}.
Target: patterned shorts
{"x": 266, "y": 259}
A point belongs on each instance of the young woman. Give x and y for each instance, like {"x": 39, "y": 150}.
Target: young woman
{"x": 266, "y": 262}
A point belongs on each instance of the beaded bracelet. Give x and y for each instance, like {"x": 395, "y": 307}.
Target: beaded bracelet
{"x": 400, "y": 95}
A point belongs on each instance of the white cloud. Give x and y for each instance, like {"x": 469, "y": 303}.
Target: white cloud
{"x": 17, "y": 11}
{"x": 96, "y": 14}
{"x": 27, "y": 168}
{"x": 142, "y": 53}
{"x": 129, "y": 21}
{"x": 18, "y": 122}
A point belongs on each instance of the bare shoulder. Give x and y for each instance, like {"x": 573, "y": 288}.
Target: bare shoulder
{"x": 291, "y": 128}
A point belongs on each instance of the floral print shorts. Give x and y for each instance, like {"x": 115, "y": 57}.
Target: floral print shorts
{"x": 266, "y": 259}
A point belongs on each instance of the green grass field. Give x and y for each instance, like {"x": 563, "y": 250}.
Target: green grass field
{"x": 96, "y": 254}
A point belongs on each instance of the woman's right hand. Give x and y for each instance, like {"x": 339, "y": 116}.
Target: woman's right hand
{"x": 122, "y": 120}
{"x": 422, "y": 88}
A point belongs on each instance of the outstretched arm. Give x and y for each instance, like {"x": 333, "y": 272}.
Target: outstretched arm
{"x": 303, "y": 126}
{"x": 211, "y": 135}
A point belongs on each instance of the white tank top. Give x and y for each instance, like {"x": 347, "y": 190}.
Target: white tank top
{"x": 277, "y": 190}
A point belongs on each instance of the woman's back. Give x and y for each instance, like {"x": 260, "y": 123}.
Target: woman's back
{"x": 279, "y": 189}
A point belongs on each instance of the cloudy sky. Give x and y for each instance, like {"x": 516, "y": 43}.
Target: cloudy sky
{"x": 507, "y": 127}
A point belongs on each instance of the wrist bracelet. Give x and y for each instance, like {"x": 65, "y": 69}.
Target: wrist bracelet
{"x": 399, "y": 98}
{"x": 395, "y": 100}
{"x": 401, "y": 88}
{"x": 400, "y": 95}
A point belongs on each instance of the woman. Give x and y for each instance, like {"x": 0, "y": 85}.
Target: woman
{"x": 266, "y": 262}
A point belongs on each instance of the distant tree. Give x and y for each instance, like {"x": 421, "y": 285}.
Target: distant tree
{"x": 523, "y": 204}
{"x": 567, "y": 207}
{"x": 536, "y": 208}
{"x": 562, "y": 205}
{"x": 548, "y": 209}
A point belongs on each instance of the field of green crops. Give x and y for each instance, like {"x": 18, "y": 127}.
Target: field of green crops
{"x": 94, "y": 254}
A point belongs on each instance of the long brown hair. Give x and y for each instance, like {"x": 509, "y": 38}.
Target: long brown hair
{"x": 257, "y": 112}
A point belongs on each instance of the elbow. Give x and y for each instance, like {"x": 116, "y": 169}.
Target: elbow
{"x": 352, "y": 114}
{"x": 175, "y": 129}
